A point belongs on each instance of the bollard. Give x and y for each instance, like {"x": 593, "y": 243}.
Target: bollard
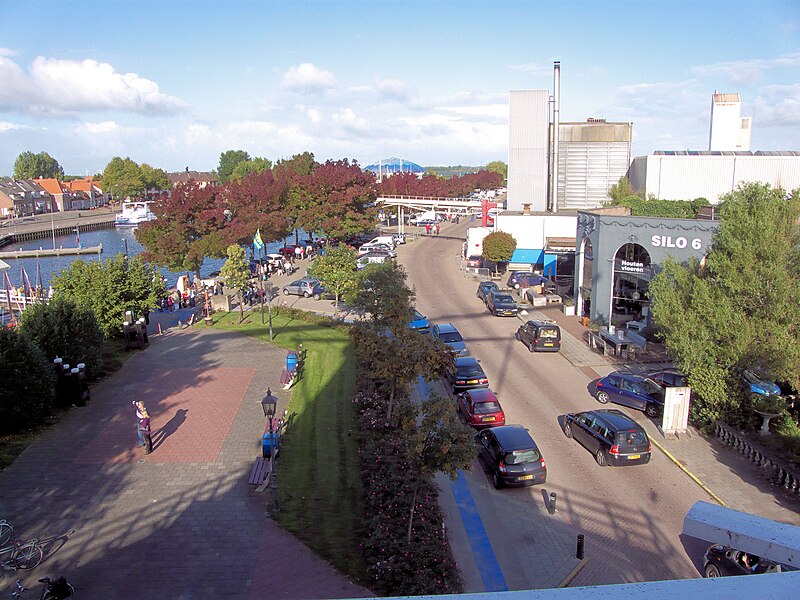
{"x": 579, "y": 553}
{"x": 83, "y": 387}
{"x": 159, "y": 329}
{"x": 553, "y": 501}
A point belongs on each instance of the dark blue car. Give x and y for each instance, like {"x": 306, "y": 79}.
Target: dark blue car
{"x": 635, "y": 391}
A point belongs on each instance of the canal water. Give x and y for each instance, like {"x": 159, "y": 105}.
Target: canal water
{"x": 114, "y": 241}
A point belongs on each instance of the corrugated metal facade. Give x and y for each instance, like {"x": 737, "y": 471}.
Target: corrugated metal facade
{"x": 688, "y": 177}
{"x": 528, "y": 123}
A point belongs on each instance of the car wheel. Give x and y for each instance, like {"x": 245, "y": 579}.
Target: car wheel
{"x": 317, "y": 296}
{"x": 516, "y": 335}
{"x": 531, "y": 347}
{"x": 651, "y": 410}
{"x": 306, "y": 294}
{"x": 600, "y": 457}
{"x": 496, "y": 481}
{"x": 285, "y": 292}
{"x": 712, "y": 571}
{"x": 567, "y": 429}
{"x": 602, "y": 397}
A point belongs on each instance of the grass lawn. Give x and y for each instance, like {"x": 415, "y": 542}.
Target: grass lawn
{"x": 320, "y": 492}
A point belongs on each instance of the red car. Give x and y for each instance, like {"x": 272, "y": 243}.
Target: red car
{"x": 481, "y": 408}
{"x": 287, "y": 251}
{"x": 474, "y": 261}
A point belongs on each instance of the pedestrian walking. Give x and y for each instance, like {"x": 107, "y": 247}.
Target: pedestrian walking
{"x": 437, "y": 229}
{"x": 144, "y": 426}
{"x": 170, "y": 303}
{"x": 298, "y": 252}
{"x": 140, "y": 412}
{"x": 427, "y": 228}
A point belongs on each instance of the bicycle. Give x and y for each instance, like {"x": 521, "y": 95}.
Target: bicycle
{"x": 51, "y": 590}
{"x": 22, "y": 555}
{"x": 6, "y": 532}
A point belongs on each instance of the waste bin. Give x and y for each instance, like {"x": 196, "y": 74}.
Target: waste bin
{"x": 269, "y": 443}
{"x": 291, "y": 362}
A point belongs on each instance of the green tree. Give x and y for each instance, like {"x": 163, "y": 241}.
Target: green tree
{"x": 498, "y": 166}
{"x": 236, "y": 272}
{"x": 254, "y": 165}
{"x": 32, "y": 166}
{"x": 499, "y": 246}
{"x": 299, "y": 164}
{"x": 439, "y": 443}
{"x": 738, "y": 309}
{"x": 28, "y": 389}
{"x": 154, "y": 179}
{"x": 227, "y": 163}
{"x": 382, "y": 293}
{"x": 110, "y": 288}
{"x": 622, "y": 192}
{"x": 336, "y": 270}
{"x": 122, "y": 178}
{"x": 62, "y": 328}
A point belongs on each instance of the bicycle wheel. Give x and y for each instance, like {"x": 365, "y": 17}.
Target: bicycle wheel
{"x": 28, "y": 556}
{"x": 6, "y": 532}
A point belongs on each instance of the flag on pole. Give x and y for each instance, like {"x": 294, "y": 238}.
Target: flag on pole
{"x": 258, "y": 243}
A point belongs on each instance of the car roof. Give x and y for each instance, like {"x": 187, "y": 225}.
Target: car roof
{"x": 463, "y": 361}
{"x": 543, "y": 322}
{"x": 513, "y": 437}
{"x": 482, "y": 395}
{"x": 616, "y": 419}
{"x": 629, "y": 376}
{"x": 447, "y": 328}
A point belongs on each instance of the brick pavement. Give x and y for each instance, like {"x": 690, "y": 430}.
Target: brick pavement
{"x": 182, "y": 522}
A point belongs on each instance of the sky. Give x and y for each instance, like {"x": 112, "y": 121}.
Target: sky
{"x": 174, "y": 84}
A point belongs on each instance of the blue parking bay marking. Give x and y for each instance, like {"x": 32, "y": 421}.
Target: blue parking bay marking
{"x": 488, "y": 567}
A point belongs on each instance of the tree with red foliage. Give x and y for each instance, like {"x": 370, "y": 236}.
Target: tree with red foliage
{"x": 408, "y": 184}
{"x": 338, "y": 199}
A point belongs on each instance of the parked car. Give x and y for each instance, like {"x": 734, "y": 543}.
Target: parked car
{"x": 399, "y": 238}
{"x": 467, "y": 374}
{"x": 722, "y": 561}
{"x": 501, "y": 304}
{"x": 610, "y": 435}
{"x": 635, "y": 391}
{"x": 372, "y": 257}
{"x": 524, "y": 279}
{"x": 485, "y": 288}
{"x": 306, "y": 287}
{"x": 511, "y": 455}
{"x": 669, "y": 378}
{"x": 378, "y": 247}
{"x": 480, "y": 408}
{"x": 540, "y": 335}
{"x": 418, "y": 322}
{"x": 383, "y": 239}
{"x": 757, "y": 385}
{"x": 447, "y": 333}
{"x": 287, "y": 251}
{"x": 475, "y": 261}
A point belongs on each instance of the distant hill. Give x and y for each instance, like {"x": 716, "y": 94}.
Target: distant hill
{"x": 453, "y": 171}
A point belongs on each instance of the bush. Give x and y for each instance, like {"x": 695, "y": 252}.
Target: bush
{"x": 28, "y": 390}
{"x": 61, "y": 328}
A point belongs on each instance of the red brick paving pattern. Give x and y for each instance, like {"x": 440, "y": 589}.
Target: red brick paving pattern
{"x": 191, "y": 412}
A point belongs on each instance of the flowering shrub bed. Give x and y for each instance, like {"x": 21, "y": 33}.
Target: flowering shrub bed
{"x": 426, "y": 565}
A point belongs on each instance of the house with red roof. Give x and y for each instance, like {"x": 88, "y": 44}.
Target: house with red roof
{"x": 89, "y": 192}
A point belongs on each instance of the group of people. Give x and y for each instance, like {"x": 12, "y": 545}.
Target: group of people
{"x": 432, "y": 228}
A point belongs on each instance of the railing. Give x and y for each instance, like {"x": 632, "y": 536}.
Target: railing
{"x": 777, "y": 471}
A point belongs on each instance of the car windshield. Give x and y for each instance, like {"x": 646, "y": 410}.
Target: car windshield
{"x": 519, "y": 457}
{"x": 651, "y": 387}
{"x": 548, "y": 333}
{"x": 631, "y": 438}
{"x": 417, "y": 316}
{"x": 503, "y": 298}
{"x": 450, "y": 337}
{"x": 484, "y": 408}
{"x": 470, "y": 371}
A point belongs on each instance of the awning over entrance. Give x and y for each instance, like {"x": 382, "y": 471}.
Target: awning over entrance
{"x": 559, "y": 244}
{"x": 526, "y": 256}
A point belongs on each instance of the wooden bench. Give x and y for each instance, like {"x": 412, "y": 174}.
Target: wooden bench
{"x": 259, "y": 472}
{"x": 286, "y": 377}
{"x": 595, "y": 341}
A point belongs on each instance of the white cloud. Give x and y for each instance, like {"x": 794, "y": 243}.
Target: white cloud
{"x": 394, "y": 89}
{"x": 314, "y": 116}
{"x": 746, "y": 72}
{"x": 7, "y": 52}
{"x": 55, "y": 87}
{"x": 103, "y": 127}
{"x": 778, "y": 105}
{"x": 253, "y": 128}
{"x": 6, "y": 126}
{"x": 307, "y": 77}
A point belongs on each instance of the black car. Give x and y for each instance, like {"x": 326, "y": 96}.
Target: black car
{"x": 669, "y": 378}
{"x": 540, "y": 335}
{"x": 501, "y": 304}
{"x": 512, "y": 456}
{"x": 467, "y": 374}
{"x": 611, "y": 435}
{"x": 721, "y": 561}
{"x": 524, "y": 279}
{"x": 485, "y": 288}
{"x": 636, "y": 391}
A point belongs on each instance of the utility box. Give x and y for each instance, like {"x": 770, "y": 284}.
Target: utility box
{"x": 221, "y": 302}
{"x": 676, "y": 410}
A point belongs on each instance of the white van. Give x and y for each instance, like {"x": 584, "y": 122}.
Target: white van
{"x": 369, "y": 258}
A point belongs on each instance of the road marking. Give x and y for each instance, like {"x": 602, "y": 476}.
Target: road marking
{"x": 689, "y": 473}
{"x": 488, "y": 567}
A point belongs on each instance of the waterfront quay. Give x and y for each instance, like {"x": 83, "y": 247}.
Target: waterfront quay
{"x": 50, "y": 225}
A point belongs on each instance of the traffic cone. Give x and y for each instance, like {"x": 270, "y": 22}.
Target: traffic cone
{"x": 159, "y": 329}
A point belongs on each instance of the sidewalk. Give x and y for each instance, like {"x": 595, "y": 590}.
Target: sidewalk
{"x": 728, "y": 475}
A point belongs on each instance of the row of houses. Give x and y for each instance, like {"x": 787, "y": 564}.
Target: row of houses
{"x": 26, "y": 197}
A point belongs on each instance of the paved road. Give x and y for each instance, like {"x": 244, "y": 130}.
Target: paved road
{"x": 631, "y": 517}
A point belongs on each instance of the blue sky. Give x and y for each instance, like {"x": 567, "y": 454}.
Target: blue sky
{"x": 175, "y": 83}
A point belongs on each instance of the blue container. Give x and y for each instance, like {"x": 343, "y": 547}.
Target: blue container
{"x": 291, "y": 362}
{"x": 269, "y": 443}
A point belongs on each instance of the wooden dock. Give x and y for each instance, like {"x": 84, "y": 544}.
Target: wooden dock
{"x": 41, "y": 252}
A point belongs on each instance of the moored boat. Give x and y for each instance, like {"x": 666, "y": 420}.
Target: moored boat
{"x": 133, "y": 214}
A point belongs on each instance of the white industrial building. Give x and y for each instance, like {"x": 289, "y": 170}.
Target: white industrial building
{"x": 689, "y": 174}
{"x": 528, "y": 148}
{"x": 729, "y": 130}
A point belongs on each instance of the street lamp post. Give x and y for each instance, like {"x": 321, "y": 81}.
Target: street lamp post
{"x": 269, "y": 404}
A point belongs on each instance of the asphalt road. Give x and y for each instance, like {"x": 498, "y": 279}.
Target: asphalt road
{"x": 631, "y": 516}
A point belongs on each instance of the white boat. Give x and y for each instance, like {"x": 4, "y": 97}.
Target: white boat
{"x": 133, "y": 214}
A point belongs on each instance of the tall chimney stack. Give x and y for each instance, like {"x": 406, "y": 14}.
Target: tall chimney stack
{"x": 556, "y": 117}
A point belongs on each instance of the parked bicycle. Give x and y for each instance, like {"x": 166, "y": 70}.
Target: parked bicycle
{"x": 21, "y": 555}
{"x": 6, "y": 532}
{"x": 51, "y": 590}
